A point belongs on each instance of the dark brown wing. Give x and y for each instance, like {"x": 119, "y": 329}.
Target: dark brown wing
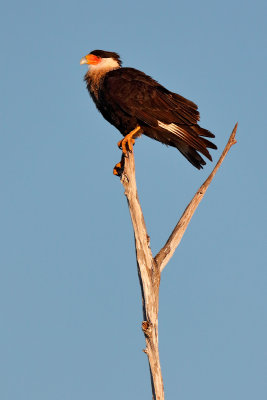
{"x": 140, "y": 95}
{"x": 173, "y": 118}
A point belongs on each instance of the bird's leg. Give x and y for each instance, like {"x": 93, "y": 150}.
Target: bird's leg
{"x": 126, "y": 144}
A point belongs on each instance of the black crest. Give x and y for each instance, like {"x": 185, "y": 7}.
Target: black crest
{"x": 107, "y": 54}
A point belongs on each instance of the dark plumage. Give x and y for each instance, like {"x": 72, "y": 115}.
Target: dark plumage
{"x": 128, "y": 98}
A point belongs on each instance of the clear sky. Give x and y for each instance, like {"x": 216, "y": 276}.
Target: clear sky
{"x": 69, "y": 293}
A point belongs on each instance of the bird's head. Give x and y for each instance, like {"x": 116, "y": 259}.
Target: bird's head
{"x": 101, "y": 60}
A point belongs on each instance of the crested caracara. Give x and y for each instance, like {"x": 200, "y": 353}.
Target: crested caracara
{"x": 135, "y": 103}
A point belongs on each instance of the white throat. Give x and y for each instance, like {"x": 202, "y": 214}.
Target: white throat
{"x": 105, "y": 65}
{"x": 96, "y": 73}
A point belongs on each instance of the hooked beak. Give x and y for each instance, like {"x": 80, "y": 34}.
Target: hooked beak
{"x": 90, "y": 59}
{"x": 83, "y": 61}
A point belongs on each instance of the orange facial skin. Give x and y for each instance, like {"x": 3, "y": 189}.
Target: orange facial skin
{"x": 92, "y": 59}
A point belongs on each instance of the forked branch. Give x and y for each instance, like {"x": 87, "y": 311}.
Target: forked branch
{"x": 149, "y": 268}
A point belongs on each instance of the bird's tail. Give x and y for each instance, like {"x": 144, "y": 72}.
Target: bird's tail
{"x": 188, "y": 139}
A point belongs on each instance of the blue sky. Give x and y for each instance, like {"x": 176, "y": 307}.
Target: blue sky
{"x": 69, "y": 293}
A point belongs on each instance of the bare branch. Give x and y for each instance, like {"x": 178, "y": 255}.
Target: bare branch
{"x": 149, "y": 269}
{"x": 165, "y": 254}
{"x": 149, "y": 275}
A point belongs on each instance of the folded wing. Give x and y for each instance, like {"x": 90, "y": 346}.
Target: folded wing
{"x": 163, "y": 115}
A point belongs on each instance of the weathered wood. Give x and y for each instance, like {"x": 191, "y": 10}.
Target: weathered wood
{"x": 149, "y": 276}
{"x": 165, "y": 254}
{"x": 149, "y": 268}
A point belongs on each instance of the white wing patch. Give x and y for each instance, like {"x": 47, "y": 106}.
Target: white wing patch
{"x": 172, "y": 128}
{"x": 183, "y": 135}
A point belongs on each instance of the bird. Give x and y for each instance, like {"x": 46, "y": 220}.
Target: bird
{"x": 137, "y": 104}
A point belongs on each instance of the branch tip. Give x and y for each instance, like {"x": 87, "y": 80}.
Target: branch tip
{"x": 164, "y": 255}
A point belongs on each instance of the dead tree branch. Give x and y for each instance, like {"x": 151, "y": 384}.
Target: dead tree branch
{"x": 165, "y": 254}
{"x": 149, "y": 276}
{"x": 149, "y": 268}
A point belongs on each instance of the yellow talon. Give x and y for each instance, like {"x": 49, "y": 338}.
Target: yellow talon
{"x": 127, "y": 143}
{"x": 117, "y": 169}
